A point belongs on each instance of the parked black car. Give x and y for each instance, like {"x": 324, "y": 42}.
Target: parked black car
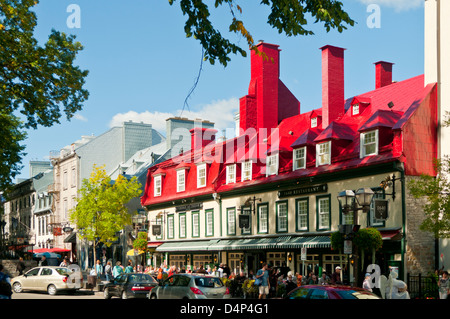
{"x": 133, "y": 285}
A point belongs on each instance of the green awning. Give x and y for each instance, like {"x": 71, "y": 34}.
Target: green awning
{"x": 249, "y": 244}
{"x": 195, "y": 245}
{"x": 307, "y": 242}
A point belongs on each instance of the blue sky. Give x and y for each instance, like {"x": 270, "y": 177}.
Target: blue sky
{"x": 142, "y": 66}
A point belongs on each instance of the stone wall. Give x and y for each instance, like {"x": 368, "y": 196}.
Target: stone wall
{"x": 420, "y": 245}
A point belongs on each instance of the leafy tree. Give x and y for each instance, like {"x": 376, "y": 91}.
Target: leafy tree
{"x": 100, "y": 211}
{"x": 287, "y": 16}
{"x": 141, "y": 243}
{"x": 37, "y": 83}
{"x": 435, "y": 190}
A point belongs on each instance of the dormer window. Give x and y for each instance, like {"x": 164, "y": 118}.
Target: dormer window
{"x": 181, "y": 180}
{"x": 231, "y": 173}
{"x": 201, "y": 175}
{"x": 323, "y": 153}
{"x": 314, "y": 122}
{"x": 272, "y": 165}
{"x": 299, "y": 158}
{"x": 355, "y": 109}
{"x": 246, "y": 171}
{"x": 158, "y": 185}
{"x": 369, "y": 143}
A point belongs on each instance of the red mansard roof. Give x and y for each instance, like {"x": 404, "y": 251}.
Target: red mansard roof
{"x": 410, "y": 138}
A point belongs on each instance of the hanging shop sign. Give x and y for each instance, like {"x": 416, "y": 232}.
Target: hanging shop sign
{"x": 304, "y": 190}
{"x": 381, "y": 209}
{"x": 188, "y": 207}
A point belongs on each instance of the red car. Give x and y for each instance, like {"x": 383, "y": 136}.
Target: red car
{"x": 330, "y": 292}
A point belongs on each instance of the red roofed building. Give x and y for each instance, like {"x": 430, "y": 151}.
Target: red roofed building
{"x": 286, "y": 168}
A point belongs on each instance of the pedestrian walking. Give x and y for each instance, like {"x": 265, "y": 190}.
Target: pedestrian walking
{"x": 324, "y": 280}
{"x": 444, "y": 285}
{"x": 336, "y": 276}
{"x": 129, "y": 268}
{"x": 20, "y": 266}
{"x": 65, "y": 262}
{"x": 108, "y": 271}
{"x": 367, "y": 283}
{"x": 5, "y": 285}
{"x": 99, "y": 269}
{"x": 43, "y": 261}
{"x": 117, "y": 270}
{"x": 263, "y": 274}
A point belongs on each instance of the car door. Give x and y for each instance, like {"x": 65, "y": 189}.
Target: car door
{"x": 166, "y": 290}
{"x": 44, "y": 279}
{"x": 114, "y": 289}
{"x": 29, "y": 279}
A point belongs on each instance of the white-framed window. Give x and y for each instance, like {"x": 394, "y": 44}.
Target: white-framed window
{"x": 314, "y": 122}
{"x": 209, "y": 223}
{"x": 323, "y": 153}
{"x": 355, "y": 109}
{"x": 247, "y": 171}
{"x": 170, "y": 226}
{"x": 299, "y": 158}
{"x": 195, "y": 224}
{"x": 231, "y": 173}
{"x": 231, "y": 221}
{"x": 74, "y": 177}
{"x": 324, "y": 212}
{"x": 369, "y": 143}
{"x": 302, "y": 214}
{"x": 272, "y": 165}
{"x": 182, "y": 221}
{"x": 282, "y": 216}
{"x": 263, "y": 218}
{"x": 201, "y": 175}
{"x": 158, "y": 185}
{"x": 65, "y": 179}
{"x": 181, "y": 180}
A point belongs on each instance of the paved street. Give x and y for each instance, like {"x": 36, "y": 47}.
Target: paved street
{"x": 81, "y": 294}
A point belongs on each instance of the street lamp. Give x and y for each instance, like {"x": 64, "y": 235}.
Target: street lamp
{"x": 349, "y": 202}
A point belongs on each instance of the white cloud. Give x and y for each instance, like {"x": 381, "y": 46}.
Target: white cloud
{"x": 80, "y": 117}
{"x": 220, "y": 112}
{"x": 398, "y": 5}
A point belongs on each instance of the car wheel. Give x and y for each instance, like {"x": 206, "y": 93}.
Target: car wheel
{"x": 153, "y": 296}
{"x": 17, "y": 287}
{"x": 124, "y": 295}
{"x": 106, "y": 294}
{"x": 51, "y": 289}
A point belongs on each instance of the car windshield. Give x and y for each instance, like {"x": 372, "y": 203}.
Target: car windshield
{"x": 142, "y": 278}
{"x": 208, "y": 282}
{"x": 63, "y": 271}
{"x": 352, "y": 294}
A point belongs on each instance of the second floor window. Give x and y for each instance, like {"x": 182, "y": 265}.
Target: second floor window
{"x": 369, "y": 143}
{"x": 323, "y": 153}
{"x": 231, "y": 173}
{"x": 201, "y": 175}
{"x": 282, "y": 217}
{"x": 299, "y": 158}
{"x": 272, "y": 165}
{"x": 246, "y": 171}
{"x": 181, "y": 181}
{"x": 157, "y": 182}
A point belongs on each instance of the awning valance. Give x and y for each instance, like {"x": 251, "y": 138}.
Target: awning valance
{"x": 307, "y": 242}
{"x": 72, "y": 238}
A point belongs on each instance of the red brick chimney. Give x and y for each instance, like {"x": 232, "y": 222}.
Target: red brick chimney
{"x": 332, "y": 84}
{"x": 201, "y": 137}
{"x": 259, "y": 109}
{"x": 383, "y": 74}
{"x": 268, "y": 101}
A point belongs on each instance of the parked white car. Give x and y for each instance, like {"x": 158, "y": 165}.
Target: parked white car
{"x": 48, "y": 278}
